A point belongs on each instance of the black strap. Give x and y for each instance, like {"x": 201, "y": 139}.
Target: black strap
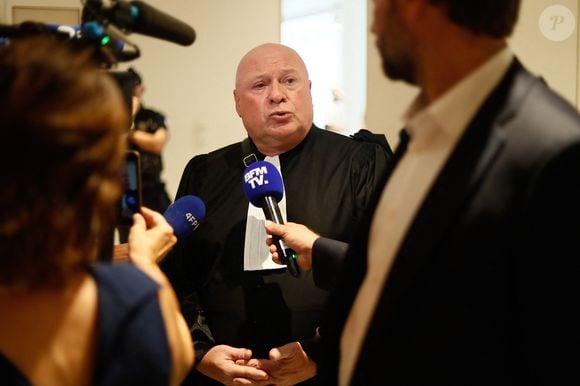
{"x": 249, "y": 156}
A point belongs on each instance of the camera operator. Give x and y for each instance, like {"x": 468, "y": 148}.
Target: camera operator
{"x": 149, "y": 137}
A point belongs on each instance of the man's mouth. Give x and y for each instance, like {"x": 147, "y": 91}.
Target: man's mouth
{"x": 280, "y": 114}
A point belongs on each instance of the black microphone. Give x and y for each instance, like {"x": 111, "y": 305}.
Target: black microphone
{"x": 140, "y": 17}
{"x": 264, "y": 188}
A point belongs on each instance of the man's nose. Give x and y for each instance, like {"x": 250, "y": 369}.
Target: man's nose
{"x": 277, "y": 93}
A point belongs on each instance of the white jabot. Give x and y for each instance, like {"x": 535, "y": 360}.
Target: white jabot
{"x": 256, "y": 254}
{"x": 434, "y": 130}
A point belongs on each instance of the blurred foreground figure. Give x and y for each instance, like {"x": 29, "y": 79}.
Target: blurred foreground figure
{"x": 66, "y": 319}
{"x": 465, "y": 269}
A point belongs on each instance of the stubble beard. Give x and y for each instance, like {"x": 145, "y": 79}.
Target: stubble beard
{"x": 396, "y": 67}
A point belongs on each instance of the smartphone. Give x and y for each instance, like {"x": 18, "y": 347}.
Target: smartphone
{"x": 131, "y": 199}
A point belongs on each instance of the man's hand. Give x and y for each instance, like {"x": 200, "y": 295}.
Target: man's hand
{"x": 288, "y": 365}
{"x": 228, "y": 365}
{"x": 296, "y": 236}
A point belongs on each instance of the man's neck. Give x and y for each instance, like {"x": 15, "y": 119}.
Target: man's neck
{"x": 453, "y": 62}
{"x": 271, "y": 147}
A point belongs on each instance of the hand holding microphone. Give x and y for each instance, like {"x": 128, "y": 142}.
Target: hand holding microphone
{"x": 150, "y": 237}
{"x": 264, "y": 189}
{"x": 154, "y": 235}
{"x": 298, "y": 237}
{"x": 184, "y": 215}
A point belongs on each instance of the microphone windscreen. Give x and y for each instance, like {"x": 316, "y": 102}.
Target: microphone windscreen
{"x": 185, "y": 214}
{"x": 262, "y": 179}
{"x": 70, "y": 30}
{"x": 152, "y": 22}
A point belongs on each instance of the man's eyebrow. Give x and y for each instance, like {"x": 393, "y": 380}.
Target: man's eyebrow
{"x": 289, "y": 71}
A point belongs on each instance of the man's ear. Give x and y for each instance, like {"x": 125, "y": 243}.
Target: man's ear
{"x": 236, "y": 101}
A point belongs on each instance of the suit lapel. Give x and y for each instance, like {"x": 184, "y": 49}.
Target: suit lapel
{"x": 457, "y": 182}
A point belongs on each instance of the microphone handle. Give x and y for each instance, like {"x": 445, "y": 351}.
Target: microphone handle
{"x": 287, "y": 255}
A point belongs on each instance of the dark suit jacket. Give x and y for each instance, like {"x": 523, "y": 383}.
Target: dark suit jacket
{"x": 327, "y": 257}
{"x": 485, "y": 289}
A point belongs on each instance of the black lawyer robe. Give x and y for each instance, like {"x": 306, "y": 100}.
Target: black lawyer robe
{"x": 328, "y": 179}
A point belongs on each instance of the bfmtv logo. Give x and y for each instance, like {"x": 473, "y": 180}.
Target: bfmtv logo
{"x": 255, "y": 177}
{"x": 192, "y": 220}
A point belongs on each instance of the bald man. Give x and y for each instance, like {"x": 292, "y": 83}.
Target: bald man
{"x": 238, "y": 310}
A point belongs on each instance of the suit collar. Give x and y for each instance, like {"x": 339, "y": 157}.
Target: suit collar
{"x": 459, "y": 179}
{"x": 469, "y": 93}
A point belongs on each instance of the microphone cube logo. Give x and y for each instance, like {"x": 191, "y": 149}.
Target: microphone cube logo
{"x": 255, "y": 177}
{"x": 192, "y": 220}
{"x": 260, "y": 180}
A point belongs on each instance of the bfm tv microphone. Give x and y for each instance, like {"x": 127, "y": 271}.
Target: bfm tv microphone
{"x": 140, "y": 17}
{"x": 184, "y": 215}
{"x": 264, "y": 189}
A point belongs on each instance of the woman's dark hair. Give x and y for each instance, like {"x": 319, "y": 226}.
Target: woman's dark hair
{"x": 491, "y": 17}
{"x": 63, "y": 119}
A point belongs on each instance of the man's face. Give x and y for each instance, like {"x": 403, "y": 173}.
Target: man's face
{"x": 273, "y": 96}
{"x": 393, "y": 41}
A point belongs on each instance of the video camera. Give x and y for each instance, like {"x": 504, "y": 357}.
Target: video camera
{"x": 105, "y": 25}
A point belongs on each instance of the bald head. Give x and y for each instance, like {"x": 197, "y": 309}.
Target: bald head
{"x": 268, "y": 51}
{"x": 273, "y": 97}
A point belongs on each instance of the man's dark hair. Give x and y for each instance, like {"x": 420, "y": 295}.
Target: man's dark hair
{"x": 490, "y": 17}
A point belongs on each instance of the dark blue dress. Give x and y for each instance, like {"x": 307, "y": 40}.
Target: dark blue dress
{"x": 133, "y": 348}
